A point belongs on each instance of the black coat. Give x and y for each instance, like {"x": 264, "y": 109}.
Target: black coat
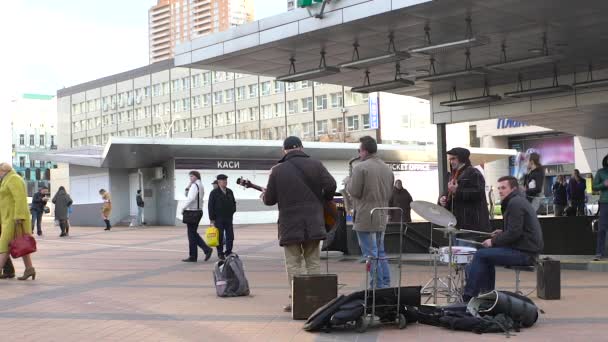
{"x": 139, "y": 200}
{"x": 559, "y": 194}
{"x": 401, "y": 198}
{"x": 38, "y": 202}
{"x": 221, "y": 205}
{"x": 469, "y": 204}
{"x": 538, "y": 176}
{"x": 300, "y": 209}
{"x": 522, "y": 230}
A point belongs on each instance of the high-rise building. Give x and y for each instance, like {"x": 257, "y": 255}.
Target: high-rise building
{"x": 174, "y": 21}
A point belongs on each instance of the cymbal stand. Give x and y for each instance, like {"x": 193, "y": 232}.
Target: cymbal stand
{"x": 435, "y": 284}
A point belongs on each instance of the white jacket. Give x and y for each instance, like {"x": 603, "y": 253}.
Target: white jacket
{"x": 195, "y": 188}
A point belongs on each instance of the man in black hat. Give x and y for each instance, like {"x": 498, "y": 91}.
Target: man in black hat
{"x": 222, "y": 207}
{"x": 466, "y": 196}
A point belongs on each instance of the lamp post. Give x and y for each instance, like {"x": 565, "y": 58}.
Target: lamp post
{"x": 168, "y": 129}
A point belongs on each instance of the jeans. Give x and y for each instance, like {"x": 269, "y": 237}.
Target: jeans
{"x": 602, "y": 230}
{"x": 194, "y": 240}
{"x": 226, "y": 234}
{"x": 302, "y": 256}
{"x": 481, "y": 274}
{"x": 372, "y": 246}
{"x": 140, "y": 216}
{"x": 37, "y": 219}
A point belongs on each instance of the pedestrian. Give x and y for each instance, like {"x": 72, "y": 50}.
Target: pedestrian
{"x": 192, "y": 214}
{"x": 401, "y": 198}
{"x": 534, "y": 180}
{"x": 576, "y": 192}
{"x": 14, "y": 215}
{"x": 62, "y": 203}
{"x": 106, "y": 209}
{"x": 222, "y": 207}
{"x": 600, "y": 183}
{"x": 140, "y": 208}
{"x": 560, "y": 197}
{"x": 299, "y": 184}
{"x": 39, "y": 201}
{"x": 371, "y": 186}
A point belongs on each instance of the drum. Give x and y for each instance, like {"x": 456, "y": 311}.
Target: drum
{"x": 460, "y": 255}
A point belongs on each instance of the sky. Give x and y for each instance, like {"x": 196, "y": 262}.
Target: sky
{"x": 60, "y": 43}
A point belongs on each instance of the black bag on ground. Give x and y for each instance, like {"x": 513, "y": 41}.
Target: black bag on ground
{"x": 520, "y": 309}
{"x": 464, "y": 321}
{"x": 229, "y": 277}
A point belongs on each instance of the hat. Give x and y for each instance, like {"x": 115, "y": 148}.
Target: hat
{"x": 221, "y": 176}
{"x": 462, "y": 153}
{"x": 292, "y": 142}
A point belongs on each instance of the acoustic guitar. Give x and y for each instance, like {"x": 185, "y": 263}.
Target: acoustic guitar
{"x": 330, "y": 210}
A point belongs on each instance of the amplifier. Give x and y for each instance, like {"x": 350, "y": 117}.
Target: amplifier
{"x": 548, "y": 279}
{"x": 310, "y": 292}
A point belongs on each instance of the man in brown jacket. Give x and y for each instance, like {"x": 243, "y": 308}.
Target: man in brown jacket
{"x": 371, "y": 186}
{"x": 297, "y": 184}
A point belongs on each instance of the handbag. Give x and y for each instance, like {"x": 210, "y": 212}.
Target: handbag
{"x": 22, "y": 244}
{"x": 212, "y": 237}
{"x": 193, "y": 216}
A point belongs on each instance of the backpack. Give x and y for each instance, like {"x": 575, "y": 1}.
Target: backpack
{"x": 229, "y": 277}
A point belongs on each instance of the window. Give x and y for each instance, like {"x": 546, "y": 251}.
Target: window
{"x": 175, "y": 86}
{"x": 219, "y": 76}
{"x": 253, "y": 113}
{"x": 229, "y": 95}
{"x": 130, "y": 98}
{"x": 307, "y": 105}
{"x": 240, "y": 93}
{"x": 292, "y": 107}
{"x": 219, "y": 119}
{"x": 305, "y": 84}
{"x": 166, "y": 87}
{"x": 265, "y": 88}
{"x": 352, "y": 123}
{"x": 279, "y": 109}
{"x": 206, "y": 78}
{"x": 294, "y": 130}
{"x": 336, "y": 100}
{"x": 196, "y": 81}
{"x": 207, "y": 121}
{"x": 279, "y": 87}
{"x": 21, "y": 139}
{"x": 218, "y": 97}
{"x": 196, "y": 123}
{"x": 52, "y": 140}
{"x": 21, "y": 161}
{"x": 186, "y": 104}
{"x": 156, "y": 90}
{"x": 229, "y": 76}
{"x": 177, "y": 106}
{"x": 266, "y": 112}
{"x": 146, "y": 94}
{"x": 337, "y": 125}
{"x": 230, "y": 117}
{"x": 307, "y": 129}
{"x": 365, "y": 118}
{"x": 321, "y": 102}
{"x": 196, "y": 102}
{"x": 166, "y": 107}
{"x": 243, "y": 115}
{"x": 32, "y": 163}
{"x": 253, "y": 90}
{"x": 206, "y": 100}
{"x": 291, "y": 86}
{"x": 186, "y": 83}
{"x": 321, "y": 127}
{"x": 31, "y": 140}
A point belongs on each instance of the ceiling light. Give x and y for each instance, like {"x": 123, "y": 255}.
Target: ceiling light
{"x": 458, "y": 44}
{"x": 377, "y": 60}
{"x": 451, "y": 75}
{"x": 539, "y": 91}
{"x": 524, "y": 63}
{"x": 309, "y": 74}
{"x": 384, "y": 86}
{"x": 591, "y": 84}
{"x": 471, "y": 100}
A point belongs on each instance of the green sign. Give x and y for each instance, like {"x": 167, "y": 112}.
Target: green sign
{"x": 307, "y": 3}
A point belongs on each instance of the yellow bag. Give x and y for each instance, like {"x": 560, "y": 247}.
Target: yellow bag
{"x": 212, "y": 237}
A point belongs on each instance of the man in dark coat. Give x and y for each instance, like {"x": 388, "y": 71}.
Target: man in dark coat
{"x": 576, "y": 192}
{"x": 560, "y": 198}
{"x": 299, "y": 184}
{"x": 222, "y": 207}
{"x": 401, "y": 198}
{"x": 39, "y": 201}
{"x": 466, "y": 196}
{"x": 518, "y": 244}
{"x": 62, "y": 202}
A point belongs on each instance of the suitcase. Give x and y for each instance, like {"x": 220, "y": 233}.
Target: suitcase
{"x": 548, "y": 279}
{"x": 310, "y": 292}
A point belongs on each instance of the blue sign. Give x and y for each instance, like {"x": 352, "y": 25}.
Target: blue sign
{"x": 509, "y": 123}
{"x": 374, "y": 112}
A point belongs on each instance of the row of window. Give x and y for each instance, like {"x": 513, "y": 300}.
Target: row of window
{"x": 304, "y": 130}
{"x": 32, "y": 163}
{"x": 32, "y": 141}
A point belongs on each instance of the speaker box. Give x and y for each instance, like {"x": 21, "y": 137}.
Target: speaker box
{"x": 310, "y": 292}
{"x": 548, "y": 279}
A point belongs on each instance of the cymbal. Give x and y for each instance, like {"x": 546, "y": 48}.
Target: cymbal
{"x": 434, "y": 213}
{"x": 451, "y": 230}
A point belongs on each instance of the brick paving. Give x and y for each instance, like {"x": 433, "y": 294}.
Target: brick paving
{"x": 130, "y": 285}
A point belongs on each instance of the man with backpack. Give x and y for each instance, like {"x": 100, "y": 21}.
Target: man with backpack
{"x": 299, "y": 184}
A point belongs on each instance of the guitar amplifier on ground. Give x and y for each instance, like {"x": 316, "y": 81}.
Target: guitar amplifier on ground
{"x": 310, "y": 292}
{"x": 548, "y": 279}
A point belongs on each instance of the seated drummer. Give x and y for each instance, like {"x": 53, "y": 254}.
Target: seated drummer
{"x": 517, "y": 245}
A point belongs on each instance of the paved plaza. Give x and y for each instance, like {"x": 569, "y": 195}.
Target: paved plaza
{"x": 130, "y": 285}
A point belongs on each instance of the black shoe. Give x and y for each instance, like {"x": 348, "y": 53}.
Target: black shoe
{"x": 221, "y": 256}
{"x": 189, "y": 260}
{"x": 107, "y": 228}
{"x": 39, "y": 233}
{"x": 208, "y": 255}
{"x": 7, "y": 275}
{"x": 62, "y": 234}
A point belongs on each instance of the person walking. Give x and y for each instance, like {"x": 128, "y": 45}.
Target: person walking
{"x": 298, "y": 184}
{"x": 222, "y": 207}
{"x": 14, "y": 215}
{"x": 534, "y": 180}
{"x": 401, "y": 198}
{"x": 39, "y": 201}
{"x": 62, "y": 202}
{"x": 600, "y": 183}
{"x": 576, "y": 192}
{"x": 140, "y": 208}
{"x": 106, "y": 209}
{"x": 560, "y": 198}
{"x": 192, "y": 214}
{"x": 371, "y": 186}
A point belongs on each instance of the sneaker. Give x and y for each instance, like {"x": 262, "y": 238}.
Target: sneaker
{"x": 287, "y": 308}
{"x": 597, "y": 258}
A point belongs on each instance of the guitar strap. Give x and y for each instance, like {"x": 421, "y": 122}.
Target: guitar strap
{"x": 306, "y": 181}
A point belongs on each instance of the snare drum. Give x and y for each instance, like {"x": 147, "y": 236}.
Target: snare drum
{"x": 460, "y": 255}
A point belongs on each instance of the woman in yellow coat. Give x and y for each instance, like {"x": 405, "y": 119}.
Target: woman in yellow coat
{"x": 14, "y": 214}
{"x": 106, "y": 210}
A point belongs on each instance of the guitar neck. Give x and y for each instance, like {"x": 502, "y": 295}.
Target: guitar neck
{"x": 257, "y": 187}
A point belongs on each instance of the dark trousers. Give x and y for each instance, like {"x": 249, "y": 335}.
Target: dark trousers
{"x": 559, "y": 210}
{"x": 63, "y": 225}
{"x": 580, "y": 208}
{"x": 226, "y": 234}
{"x": 481, "y": 272}
{"x": 602, "y": 230}
{"x": 8, "y": 267}
{"x": 194, "y": 240}
{"x": 37, "y": 219}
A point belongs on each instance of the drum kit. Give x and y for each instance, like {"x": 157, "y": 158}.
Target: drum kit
{"x": 456, "y": 257}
